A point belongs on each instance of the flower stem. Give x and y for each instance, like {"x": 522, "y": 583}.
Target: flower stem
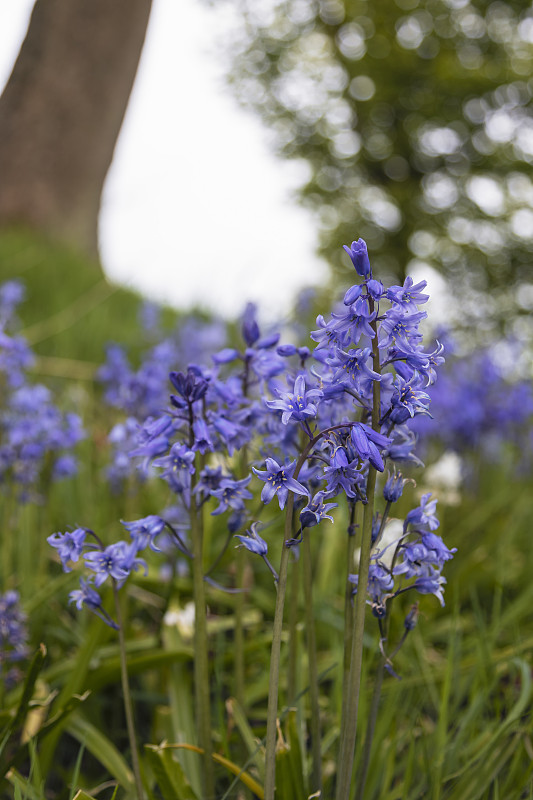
{"x": 128, "y": 706}
{"x": 350, "y": 706}
{"x": 275, "y": 658}
{"x": 355, "y": 521}
{"x": 316, "y": 776}
{"x": 238, "y": 642}
{"x": 201, "y": 654}
{"x": 351, "y": 698}
{"x": 292, "y": 670}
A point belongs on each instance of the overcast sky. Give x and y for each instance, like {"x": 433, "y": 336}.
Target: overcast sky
{"x": 195, "y": 208}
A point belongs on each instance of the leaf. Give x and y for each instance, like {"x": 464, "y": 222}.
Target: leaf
{"x": 103, "y": 749}
{"x": 168, "y": 773}
{"x": 16, "y": 723}
{"x": 235, "y": 769}
{"x": 253, "y": 745}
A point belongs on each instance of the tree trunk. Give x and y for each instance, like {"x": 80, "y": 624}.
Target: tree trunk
{"x": 61, "y": 112}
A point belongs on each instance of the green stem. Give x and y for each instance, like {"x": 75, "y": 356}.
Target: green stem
{"x": 238, "y": 640}
{"x": 128, "y": 706}
{"x": 355, "y": 521}
{"x": 316, "y": 753}
{"x": 201, "y": 652}
{"x": 292, "y": 670}
{"x": 351, "y": 699}
{"x": 275, "y": 658}
{"x": 350, "y": 706}
{"x": 370, "y": 728}
{"x": 373, "y": 715}
{"x": 240, "y": 599}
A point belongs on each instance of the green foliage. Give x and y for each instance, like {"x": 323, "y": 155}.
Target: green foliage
{"x": 411, "y": 115}
{"x": 457, "y": 726}
{"x": 72, "y": 311}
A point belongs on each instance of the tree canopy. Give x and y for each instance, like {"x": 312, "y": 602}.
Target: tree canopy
{"x": 415, "y": 119}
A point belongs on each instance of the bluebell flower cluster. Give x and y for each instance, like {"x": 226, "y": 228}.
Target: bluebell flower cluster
{"x": 418, "y": 556}
{"x": 142, "y": 393}
{"x": 13, "y": 638}
{"x": 480, "y": 410}
{"x": 314, "y": 423}
{"x": 36, "y": 438}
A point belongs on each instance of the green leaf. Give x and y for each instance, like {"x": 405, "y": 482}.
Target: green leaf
{"x": 103, "y": 749}
{"x": 295, "y": 757}
{"x": 168, "y": 773}
{"x": 15, "y": 724}
{"x": 253, "y": 745}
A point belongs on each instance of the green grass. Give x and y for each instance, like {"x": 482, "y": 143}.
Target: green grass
{"x": 72, "y": 310}
{"x": 457, "y": 726}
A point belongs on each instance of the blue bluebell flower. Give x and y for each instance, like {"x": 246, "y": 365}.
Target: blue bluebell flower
{"x": 231, "y": 494}
{"x": 13, "y": 638}
{"x": 69, "y": 545}
{"x": 279, "y": 481}
{"x": 316, "y": 510}
{"x": 408, "y": 296}
{"x": 253, "y": 542}
{"x": 145, "y": 531}
{"x": 87, "y": 595}
{"x": 297, "y": 404}
{"x": 359, "y": 256}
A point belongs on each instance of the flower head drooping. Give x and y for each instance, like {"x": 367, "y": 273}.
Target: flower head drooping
{"x": 359, "y": 256}
{"x": 316, "y": 510}
{"x": 69, "y": 545}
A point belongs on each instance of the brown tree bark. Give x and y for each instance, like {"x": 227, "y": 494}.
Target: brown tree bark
{"x": 61, "y": 113}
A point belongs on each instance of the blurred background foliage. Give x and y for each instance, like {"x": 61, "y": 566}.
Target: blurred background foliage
{"x": 414, "y": 119}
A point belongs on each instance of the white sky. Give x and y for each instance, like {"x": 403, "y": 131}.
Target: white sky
{"x": 195, "y": 208}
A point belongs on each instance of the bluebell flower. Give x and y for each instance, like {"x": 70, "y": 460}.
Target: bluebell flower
{"x": 316, "y": 510}
{"x": 342, "y": 475}
{"x": 180, "y": 460}
{"x": 225, "y": 356}
{"x": 249, "y": 327}
{"x": 375, "y": 289}
{"x": 366, "y": 442}
{"x": 359, "y": 256}
{"x": 424, "y": 514}
{"x": 393, "y": 489}
{"x": 231, "y": 494}
{"x": 411, "y": 618}
{"x": 379, "y": 589}
{"x": 400, "y": 328}
{"x": 279, "y": 481}
{"x": 69, "y": 545}
{"x": 87, "y": 595}
{"x": 190, "y": 387}
{"x": 436, "y": 548}
{"x": 210, "y": 479}
{"x": 202, "y": 440}
{"x": 408, "y": 296}
{"x": 353, "y": 365}
{"x": 13, "y": 638}
{"x": 253, "y": 542}
{"x": 408, "y": 399}
{"x": 352, "y": 294}
{"x": 403, "y": 443}
{"x": 296, "y": 404}
{"x": 144, "y": 531}
{"x": 108, "y": 562}
{"x": 353, "y": 323}
{"x": 431, "y": 584}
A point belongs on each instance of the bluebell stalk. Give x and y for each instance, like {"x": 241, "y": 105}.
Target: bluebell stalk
{"x": 351, "y": 402}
